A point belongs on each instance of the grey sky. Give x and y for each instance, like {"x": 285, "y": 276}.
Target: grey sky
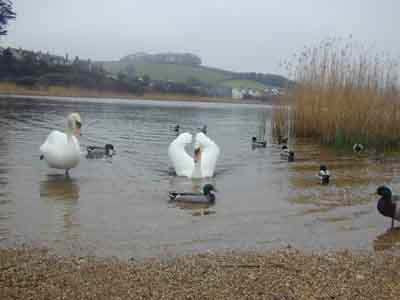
{"x": 252, "y": 35}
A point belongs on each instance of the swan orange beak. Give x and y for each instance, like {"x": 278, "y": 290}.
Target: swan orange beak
{"x": 78, "y": 132}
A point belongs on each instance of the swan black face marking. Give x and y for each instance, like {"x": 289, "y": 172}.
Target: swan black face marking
{"x": 78, "y": 124}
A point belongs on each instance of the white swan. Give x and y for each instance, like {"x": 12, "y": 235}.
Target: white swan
{"x": 205, "y": 156}
{"x": 62, "y": 150}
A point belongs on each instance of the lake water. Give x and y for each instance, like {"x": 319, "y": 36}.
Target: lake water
{"x": 120, "y": 207}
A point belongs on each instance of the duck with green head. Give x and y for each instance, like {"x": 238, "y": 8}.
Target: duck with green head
{"x": 388, "y": 204}
{"x": 207, "y": 196}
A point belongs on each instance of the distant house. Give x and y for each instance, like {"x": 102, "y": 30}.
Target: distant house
{"x": 237, "y": 93}
{"x": 253, "y": 93}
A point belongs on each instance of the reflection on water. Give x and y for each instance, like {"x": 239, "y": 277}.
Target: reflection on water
{"x": 62, "y": 193}
{"x": 59, "y": 187}
{"x": 388, "y": 240}
{"x": 121, "y": 206}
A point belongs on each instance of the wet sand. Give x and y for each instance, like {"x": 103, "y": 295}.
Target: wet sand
{"x": 27, "y": 273}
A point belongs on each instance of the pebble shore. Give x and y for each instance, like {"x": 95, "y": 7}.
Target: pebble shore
{"x": 28, "y": 273}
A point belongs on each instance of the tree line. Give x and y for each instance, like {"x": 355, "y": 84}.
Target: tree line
{"x": 32, "y": 71}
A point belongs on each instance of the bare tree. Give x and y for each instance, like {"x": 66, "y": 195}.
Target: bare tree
{"x": 6, "y": 14}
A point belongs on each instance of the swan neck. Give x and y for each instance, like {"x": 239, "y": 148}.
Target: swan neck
{"x": 197, "y": 170}
{"x": 69, "y": 134}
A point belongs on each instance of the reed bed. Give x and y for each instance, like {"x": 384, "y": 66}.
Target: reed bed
{"x": 345, "y": 94}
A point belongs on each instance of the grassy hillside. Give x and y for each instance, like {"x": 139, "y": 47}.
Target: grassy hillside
{"x": 251, "y": 84}
{"x": 174, "y": 72}
{"x": 184, "y": 73}
{"x": 181, "y": 73}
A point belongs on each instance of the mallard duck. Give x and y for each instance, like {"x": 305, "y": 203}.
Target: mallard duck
{"x": 206, "y": 197}
{"x": 176, "y": 129}
{"x": 324, "y": 174}
{"x": 203, "y": 129}
{"x": 62, "y": 150}
{"x": 287, "y": 154}
{"x": 256, "y": 143}
{"x": 388, "y": 204}
{"x": 100, "y": 152}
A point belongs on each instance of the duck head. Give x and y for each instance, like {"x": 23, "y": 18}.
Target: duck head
{"x": 109, "y": 148}
{"x": 384, "y": 191}
{"x": 208, "y": 189}
{"x": 74, "y": 124}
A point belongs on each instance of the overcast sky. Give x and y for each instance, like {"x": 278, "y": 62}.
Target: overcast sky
{"x": 251, "y": 35}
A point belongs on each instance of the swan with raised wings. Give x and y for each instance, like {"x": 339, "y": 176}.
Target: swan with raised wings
{"x": 62, "y": 150}
{"x": 202, "y": 164}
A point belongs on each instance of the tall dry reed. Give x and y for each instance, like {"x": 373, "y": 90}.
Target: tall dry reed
{"x": 344, "y": 94}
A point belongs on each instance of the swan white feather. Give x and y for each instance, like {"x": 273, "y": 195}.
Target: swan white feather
{"x": 209, "y": 154}
{"x": 62, "y": 150}
{"x": 182, "y": 162}
{"x": 185, "y": 165}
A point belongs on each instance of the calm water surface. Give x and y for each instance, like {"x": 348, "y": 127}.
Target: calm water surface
{"x": 119, "y": 206}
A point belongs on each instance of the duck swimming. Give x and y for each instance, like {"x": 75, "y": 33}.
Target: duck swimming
{"x": 203, "y": 129}
{"x": 62, "y": 150}
{"x": 324, "y": 174}
{"x": 202, "y": 165}
{"x": 207, "y": 196}
{"x": 388, "y": 204}
{"x": 100, "y": 152}
{"x": 176, "y": 129}
{"x": 255, "y": 143}
{"x": 287, "y": 154}
{"x": 358, "y": 148}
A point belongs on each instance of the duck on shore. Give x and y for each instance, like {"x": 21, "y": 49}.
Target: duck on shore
{"x": 388, "y": 204}
{"x": 207, "y": 196}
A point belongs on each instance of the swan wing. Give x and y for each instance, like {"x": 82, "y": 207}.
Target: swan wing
{"x": 209, "y": 155}
{"x": 182, "y": 162}
{"x": 54, "y": 140}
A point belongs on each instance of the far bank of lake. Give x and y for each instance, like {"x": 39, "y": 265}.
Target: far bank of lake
{"x": 58, "y": 91}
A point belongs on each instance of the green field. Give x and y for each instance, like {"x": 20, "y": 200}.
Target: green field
{"x": 249, "y": 84}
{"x": 174, "y": 72}
{"x": 184, "y": 73}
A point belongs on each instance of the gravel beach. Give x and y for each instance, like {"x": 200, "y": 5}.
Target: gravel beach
{"x": 27, "y": 273}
